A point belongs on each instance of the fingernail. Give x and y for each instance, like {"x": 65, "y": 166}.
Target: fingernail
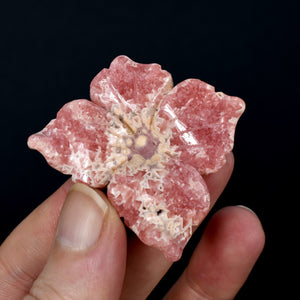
{"x": 81, "y": 219}
{"x": 247, "y": 208}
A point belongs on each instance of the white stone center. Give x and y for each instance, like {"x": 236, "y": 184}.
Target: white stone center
{"x": 141, "y": 141}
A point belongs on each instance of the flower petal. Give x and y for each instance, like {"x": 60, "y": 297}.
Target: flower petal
{"x": 161, "y": 205}
{"x": 81, "y": 142}
{"x": 128, "y": 86}
{"x": 200, "y": 122}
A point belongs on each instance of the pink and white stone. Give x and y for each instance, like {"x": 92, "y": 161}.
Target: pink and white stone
{"x": 200, "y": 122}
{"x": 149, "y": 144}
{"x": 161, "y": 205}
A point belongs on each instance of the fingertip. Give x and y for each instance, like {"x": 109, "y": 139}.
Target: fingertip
{"x": 230, "y": 160}
{"x": 230, "y": 246}
{"x": 251, "y": 229}
{"x": 82, "y": 218}
{"x": 216, "y": 182}
{"x": 236, "y": 227}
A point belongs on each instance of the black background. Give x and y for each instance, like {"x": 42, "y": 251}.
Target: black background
{"x": 50, "y": 51}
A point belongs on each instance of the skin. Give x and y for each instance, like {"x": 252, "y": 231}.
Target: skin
{"x": 36, "y": 264}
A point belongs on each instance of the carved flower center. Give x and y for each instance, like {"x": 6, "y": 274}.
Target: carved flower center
{"x": 142, "y": 143}
{"x": 139, "y": 143}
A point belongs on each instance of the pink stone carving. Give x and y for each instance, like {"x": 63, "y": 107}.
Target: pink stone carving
{"x": 149, "y": 144}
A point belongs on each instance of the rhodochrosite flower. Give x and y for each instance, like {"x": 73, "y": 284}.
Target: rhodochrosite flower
{"x": 149, "y": 143}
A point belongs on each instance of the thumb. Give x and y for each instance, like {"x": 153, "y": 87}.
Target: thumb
{"x": 88, "y": 257}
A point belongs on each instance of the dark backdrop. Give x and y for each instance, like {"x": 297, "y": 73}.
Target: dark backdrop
{"x": 50, "y": 51}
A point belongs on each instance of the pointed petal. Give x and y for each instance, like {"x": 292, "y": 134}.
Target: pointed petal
{"x": 79, "y": 142}
{"x": 161, "y": 205}
{"x": 201, "y": 123}
{"x": 129, "y": 87}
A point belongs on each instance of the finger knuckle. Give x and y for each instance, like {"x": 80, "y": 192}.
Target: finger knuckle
{"x": 42, "y": 289}
{"x": 197, "y": 289}
{"x": 13, "y": 276}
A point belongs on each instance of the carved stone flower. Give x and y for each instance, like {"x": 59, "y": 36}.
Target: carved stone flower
{"x": 149, "y": 143}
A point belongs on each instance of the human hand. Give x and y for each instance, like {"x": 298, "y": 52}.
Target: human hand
{"x": 74, "y": 246}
